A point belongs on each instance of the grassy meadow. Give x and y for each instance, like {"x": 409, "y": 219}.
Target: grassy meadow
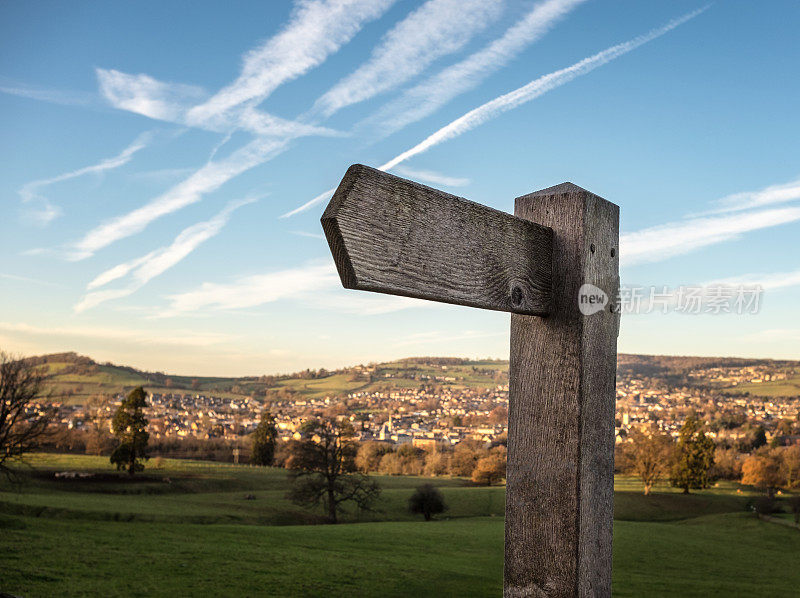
{"x": 192, "y": 528}
{"x": 790, "y": 387}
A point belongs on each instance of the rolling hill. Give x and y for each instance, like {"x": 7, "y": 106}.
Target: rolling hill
{"x": 73, "y": 378}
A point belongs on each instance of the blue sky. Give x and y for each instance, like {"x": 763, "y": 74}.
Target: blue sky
{"x": 164, "y": 166}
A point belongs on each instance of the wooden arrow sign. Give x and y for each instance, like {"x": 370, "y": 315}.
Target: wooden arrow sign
{"x": 391, "y": 235}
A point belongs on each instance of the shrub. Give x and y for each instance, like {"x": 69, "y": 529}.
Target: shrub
{"x": 426, "y": 501}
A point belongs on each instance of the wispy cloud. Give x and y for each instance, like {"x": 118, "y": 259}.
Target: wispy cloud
{"x": 325, "y": 195}
{"x": 533, "y": 90}
{"x": 28, "y": 279}
{"x": 143, "y": 269}
{"x": 43, "y": 213}
{"x": 207, "y": 179}
{"x": 162, "y": 175}
{"x": 435, "y": 29}
{"x": 261, "y": 123}
{"x": 171, "y": 102}
{"x": 316, "y": 30}
{"x": 348, "y": 302}
{"x": 258, "y": 289}
{"x": 46, "y": 211}
{"x": 434, "y": 178}
{"x": 302, "y": 233}
{"x": 767, "y": 281}
{"x": 677, "y": 238}
{"x": 314, "y": 285}
{"x": 513, "y": 99}
{"x": 28, "y": 191}
{"x": 44, "y": 94}
{"x": 147, "y": 96}
{"x": 148, "y": 337}
{"x": 782, "y": 193}
{"x": 430, "y": 95}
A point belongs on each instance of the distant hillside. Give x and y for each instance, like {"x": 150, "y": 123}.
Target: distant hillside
{"x": 73, "y": 378}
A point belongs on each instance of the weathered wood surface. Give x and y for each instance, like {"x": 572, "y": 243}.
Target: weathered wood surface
{"x": 395, "y": 236}
{"x": 559, "y": 494}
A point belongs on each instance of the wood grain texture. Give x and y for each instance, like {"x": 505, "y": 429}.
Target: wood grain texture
{"x": 394, "y": 236}
{"x": 559, "y": 497}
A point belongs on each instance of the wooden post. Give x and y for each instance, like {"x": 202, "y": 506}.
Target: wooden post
{"x": 390, "y": 235}
{"x": 560, "y": 480}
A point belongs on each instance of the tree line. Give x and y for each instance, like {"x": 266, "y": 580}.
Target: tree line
{"x": 693, "y": 461}
{"x": 329, "y": 467}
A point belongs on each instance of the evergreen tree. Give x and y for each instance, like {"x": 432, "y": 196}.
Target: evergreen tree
{"x": 759, "y": 437}
{"x": 129, "y": 426}
{"x": 264, "y": 439}
{"x": 694, "y": 456}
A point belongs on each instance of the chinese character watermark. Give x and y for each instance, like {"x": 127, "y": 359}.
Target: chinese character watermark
{"x": 713, "y": 299}
{"x": 717, "y": 299}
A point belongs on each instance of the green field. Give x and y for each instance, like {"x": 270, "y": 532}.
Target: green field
{"x": 198, "y": 534}
{"x": 774, "y": 388}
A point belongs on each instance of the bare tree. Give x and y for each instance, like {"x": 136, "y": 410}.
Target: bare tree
{"x": 22, "y": 421}
{"x": 323, "y": 469}
{"x": 650, "y": 453}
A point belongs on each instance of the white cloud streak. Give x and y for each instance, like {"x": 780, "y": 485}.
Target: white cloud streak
{"x": 677, "y": 238}
{"x": 148, "y": 337}
{"x": 316, "y": 30}
{"x": 324, "y": 196}
{"x": 15, "y": 277}
{"x": 258, "y": 289}
{"x": 143, "y": 269}
{"x": 533, "y": 90}
{"x": 44, "y": 214}
{"x": 513, "y": 99}
{"x": 170, "y": 102}
{"x": 315, "y": 285}
{"x": 51, "y": 96}
{"x": 771, "y": 281}
{"x": 142, "y": 94}
{"x": 207, "y": 179}
{"x": 28, "y": 191}
{"x": 302, "y": 233}
{"x": 342, "y": 301}
{"x": 46, "y": 211}
{"x": 435, "y": 29}
{"x": 782, "y": 193}
{"x": 429, "y": 176}
{"x": 430, "y": 95}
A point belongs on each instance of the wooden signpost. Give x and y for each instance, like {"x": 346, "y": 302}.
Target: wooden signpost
{"x": 390, "y": 235}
